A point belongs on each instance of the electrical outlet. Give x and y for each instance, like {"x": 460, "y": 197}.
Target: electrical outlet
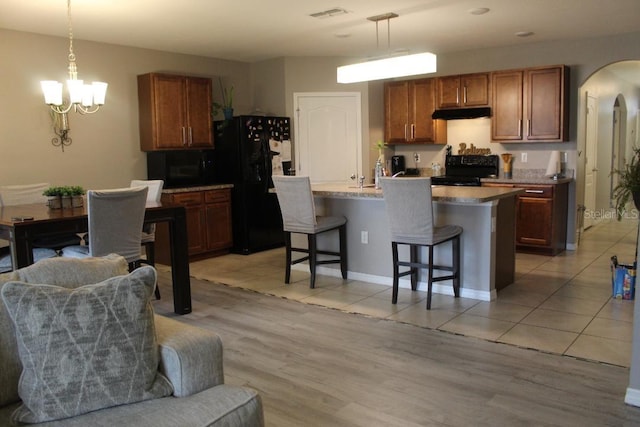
{"x": 416, "y": 157}
{"x": 523, "y": 157}
{"x": 364, "y": 237}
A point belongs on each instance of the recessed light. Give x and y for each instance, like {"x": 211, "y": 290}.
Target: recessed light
{"x": 524, "y": 33}
{"x": 343, "y": 35}
{"x": 479, "y": 10}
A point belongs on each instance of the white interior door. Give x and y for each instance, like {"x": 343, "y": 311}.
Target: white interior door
{"x": 328, "y": 135}
{"x": 590, "y": 174}
{"x": 615, "y": 155}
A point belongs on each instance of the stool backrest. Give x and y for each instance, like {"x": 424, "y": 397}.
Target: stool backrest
{"x": 296, "y": 203}
{"x": 409, "y": 207}
{"x": 115, "y": 221}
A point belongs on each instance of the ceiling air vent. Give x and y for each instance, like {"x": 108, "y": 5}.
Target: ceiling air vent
{"x": 329, "y": 13}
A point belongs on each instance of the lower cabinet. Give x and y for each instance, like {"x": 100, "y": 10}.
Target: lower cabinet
{"x": 541, "y": 217}
{"x": 209, "y": 229}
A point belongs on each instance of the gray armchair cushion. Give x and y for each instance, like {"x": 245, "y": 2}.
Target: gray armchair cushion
{"x": 221, "y": 406}
{"x": 55, "y": 271}
{"x": 190, "y": 357}
{"x": 87, "y": 348}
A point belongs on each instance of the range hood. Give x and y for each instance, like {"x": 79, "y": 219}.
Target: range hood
{"x": 462, "y": 113}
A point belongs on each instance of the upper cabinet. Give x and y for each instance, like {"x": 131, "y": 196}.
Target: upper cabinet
{"x": 468, "y": 90}
{"x": 530, "y": 105}
{"x": 174, "y": 112}
{"x": 408, "y": 106}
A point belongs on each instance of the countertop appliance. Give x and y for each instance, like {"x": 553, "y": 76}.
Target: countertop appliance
{"x": 247, "y": 150}
{"x": 397, "y": 164}
{"x": 181, "y": 168}
{"x": 467, "y": 170}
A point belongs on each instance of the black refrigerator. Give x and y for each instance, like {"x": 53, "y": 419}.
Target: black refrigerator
{"x": 248, "y": 149}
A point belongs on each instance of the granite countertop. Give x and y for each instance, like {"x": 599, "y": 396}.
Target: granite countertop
{"x": 198, "y": 188}
{"x": 440, "y": 193}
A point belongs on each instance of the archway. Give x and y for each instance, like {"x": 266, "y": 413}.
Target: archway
{"x": 615, "y": 89}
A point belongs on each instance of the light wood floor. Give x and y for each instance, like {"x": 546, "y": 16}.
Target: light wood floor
{"x": 316, "y": 366}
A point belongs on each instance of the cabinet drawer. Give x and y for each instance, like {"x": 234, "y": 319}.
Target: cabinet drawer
{"x": 190, "y": 198}
{"x": 543, "y": 191}
{"x": 217, "y": 196}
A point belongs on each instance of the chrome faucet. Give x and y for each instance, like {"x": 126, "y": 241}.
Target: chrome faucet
{"x": 397, "y": 174}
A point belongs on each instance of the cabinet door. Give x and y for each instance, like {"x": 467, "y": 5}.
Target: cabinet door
{"x": 544, "y": 104}
{"x": 422, "y": 103}
{"x": 169, "y": 111}
{"x": 475, "y": 90}
{"x": 219, "y": 234}
{"x": 193, "y": 204}
{"x": 533, "y": 221}
{"x": 449, "y": 92}
{"x": 396, "y": 102}
{"x": 507, "y": 89}
{"x": 199, "y": 112}
{"x": 218, "y": 216}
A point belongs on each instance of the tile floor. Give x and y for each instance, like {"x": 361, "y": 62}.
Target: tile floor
{"x": 558, "y": 304}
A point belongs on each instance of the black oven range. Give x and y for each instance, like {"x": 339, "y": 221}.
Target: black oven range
{"x": 467, "y": 170}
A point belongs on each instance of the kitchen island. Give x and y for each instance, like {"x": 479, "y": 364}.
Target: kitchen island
{"x": 486, "y": 214}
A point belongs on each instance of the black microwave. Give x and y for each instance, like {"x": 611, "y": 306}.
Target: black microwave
{"x": 181, "y": 168}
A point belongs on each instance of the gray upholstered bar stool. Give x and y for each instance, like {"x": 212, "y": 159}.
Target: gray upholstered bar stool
{"x": 299, "y": 216}
{"x": 409, "y": 207}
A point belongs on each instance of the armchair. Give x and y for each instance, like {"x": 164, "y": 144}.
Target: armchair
{"x": 190, "y": 358}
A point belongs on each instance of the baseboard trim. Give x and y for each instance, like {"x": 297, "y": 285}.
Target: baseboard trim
{"x": 445, "y": 289}
{"x": 632, "y": 397}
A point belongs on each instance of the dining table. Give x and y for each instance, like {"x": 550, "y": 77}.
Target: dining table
{"x": 22, "y": 224}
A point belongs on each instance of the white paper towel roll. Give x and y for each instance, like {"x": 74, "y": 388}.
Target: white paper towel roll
{"x": 554, "y": 164}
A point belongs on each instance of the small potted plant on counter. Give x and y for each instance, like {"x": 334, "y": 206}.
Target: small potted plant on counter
{"x": 628, "y": 187}
{"x": 53, "y": 195}
{"x": 76, "y": 191}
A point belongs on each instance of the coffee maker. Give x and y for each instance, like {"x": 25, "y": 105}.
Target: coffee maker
{"x": 397, "y": 164}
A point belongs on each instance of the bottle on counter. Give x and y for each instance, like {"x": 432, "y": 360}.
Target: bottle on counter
{"x": 435, "y": 169}
{"x": 378, "y": 173}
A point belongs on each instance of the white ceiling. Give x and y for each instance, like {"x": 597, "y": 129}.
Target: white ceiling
{"x": 254, "y": 30}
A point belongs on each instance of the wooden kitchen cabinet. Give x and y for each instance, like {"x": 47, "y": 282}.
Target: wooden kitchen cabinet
{"x": 174, "y": 112}
{"x": 541, "y": 217}
{"x": 209, "y": 229}
{"x": 530, "y": 105}
{"x": 464, "y": 91}
{"x": 408, "y": 106}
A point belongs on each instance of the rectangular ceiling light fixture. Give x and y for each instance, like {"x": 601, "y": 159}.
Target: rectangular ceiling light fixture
{"x": 329, "y": 13}
{"x": 387, "y": 68}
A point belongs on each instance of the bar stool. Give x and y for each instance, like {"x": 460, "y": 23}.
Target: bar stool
{"x": 298, "y": 216}
{"x": 408, "y": 203}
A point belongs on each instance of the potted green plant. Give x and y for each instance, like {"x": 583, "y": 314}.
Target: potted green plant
{"x": 227, "y": 102}
{"x": 66, "y": 196}
{"x": 628, "y": 187}
{"x": 76, "y": 191}
{"x": 53, "y": 195}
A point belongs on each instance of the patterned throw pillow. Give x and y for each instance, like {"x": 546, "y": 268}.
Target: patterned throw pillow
{"x": 87, "y": 348}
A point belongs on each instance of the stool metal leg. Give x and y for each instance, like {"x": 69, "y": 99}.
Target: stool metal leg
{"x": 287, "y": 271}
{"x": 311, "y": 239}
{"x": 430, "y": 283}
{"x": 414, "y": 270}
{"x": 396, "y": 272}
{"x": 455, "y": 245}
{"x": 343, "y": 251}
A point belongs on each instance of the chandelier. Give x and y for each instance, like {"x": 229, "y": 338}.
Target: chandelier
{"x": 389, "y": 67}
{"x": 83, "y": 98}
